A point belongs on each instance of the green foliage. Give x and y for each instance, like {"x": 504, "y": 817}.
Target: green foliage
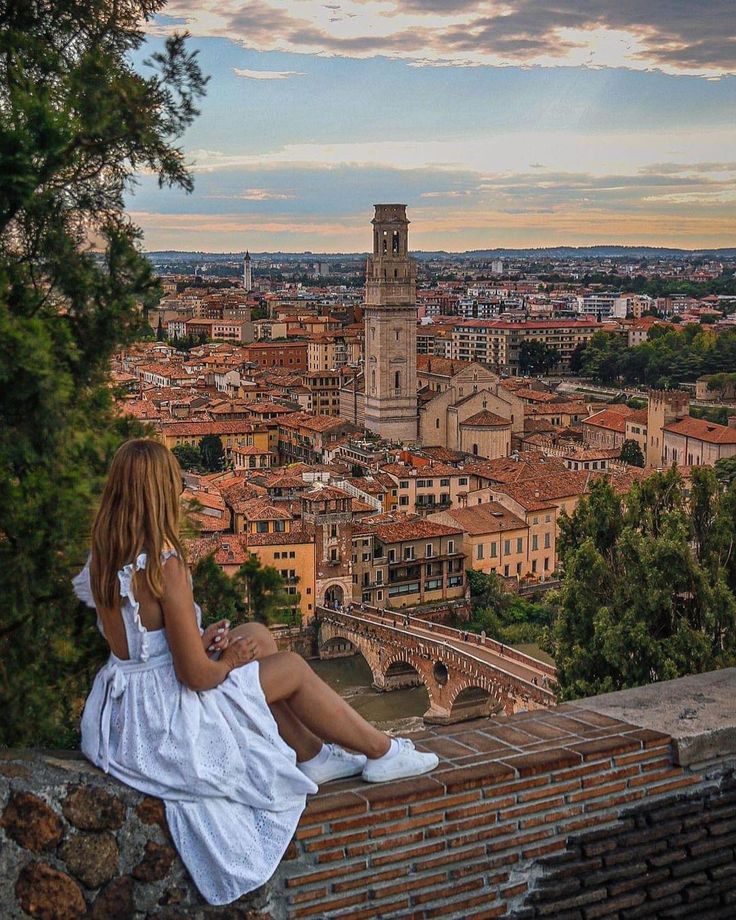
{"x": 267, "y": 600}
{"x": 503, "y": 615}
{"x": 212, "y": 453}
{"x": 189, "y": 457}
{"x": 668, "y": 357}
{"x": 649, "y": 586}
{"x": 537, "y": 358}
{"x": 254, "y": 592}
{"x": 217, "y": 593}
{"x": 631, "y": 453}
{"x": 77, "y": 121}
{"x": 725, "y": 470}
{"x": 717, "y": 414}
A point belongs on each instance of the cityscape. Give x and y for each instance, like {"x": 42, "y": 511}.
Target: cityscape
{"x": 434, "y": 307}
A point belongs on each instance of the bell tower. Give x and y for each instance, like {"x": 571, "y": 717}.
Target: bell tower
{"x": 391, "y": 328}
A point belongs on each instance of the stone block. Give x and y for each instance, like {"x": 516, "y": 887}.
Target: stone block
{"x": 31, "y": 823}
{"x": 44, "y": 892}
{"x": 93, "y": 809}
{"x": 156, "y": 863}
{"x": 90, "y": 857}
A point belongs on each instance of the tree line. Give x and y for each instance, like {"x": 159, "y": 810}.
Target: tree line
{"x": 668, "y": 358}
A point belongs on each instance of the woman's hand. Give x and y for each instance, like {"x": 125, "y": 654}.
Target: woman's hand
{"x": 240, "y": 651}
{"x": 215, "y": 637}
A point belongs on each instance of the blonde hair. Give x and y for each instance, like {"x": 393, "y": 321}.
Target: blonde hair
{"x": 139, "y": 513}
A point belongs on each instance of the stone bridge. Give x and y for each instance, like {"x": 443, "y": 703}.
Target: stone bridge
{"x": 464, "y": 677}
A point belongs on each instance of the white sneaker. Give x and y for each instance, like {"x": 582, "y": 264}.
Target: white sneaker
{"x": 338, "y": 765}
{"x": 407, "y": 761}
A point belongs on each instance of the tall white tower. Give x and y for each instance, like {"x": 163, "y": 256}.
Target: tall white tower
{"x": 247, "y": 273}
{"x": 391, "y": 328}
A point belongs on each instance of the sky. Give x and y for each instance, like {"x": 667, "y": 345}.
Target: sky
{"x": 500, "y": 124}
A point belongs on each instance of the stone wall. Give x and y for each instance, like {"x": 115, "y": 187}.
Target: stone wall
{"x": 577, "y": 812}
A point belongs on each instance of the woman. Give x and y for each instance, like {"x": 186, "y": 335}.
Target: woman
{"x": 232, "y": 740}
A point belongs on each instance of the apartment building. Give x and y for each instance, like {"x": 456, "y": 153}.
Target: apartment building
{"x": 497, "y": 343}
{"x": 494, "y": 539}
{"x": 407, "y": 562}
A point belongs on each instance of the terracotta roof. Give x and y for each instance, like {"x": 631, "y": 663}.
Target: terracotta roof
{"x": 702, "y": 430}
{"x": 413, "y": 530}
{"x": 444, "y": 367}
{"x": 486, "y": 419}
{"x": 610, "y": 419}
{"x": 202, "y": 428}
{"x": 561, "y": 408}
{"x": 328, "y": 493}
{"x": 490, "y": 517}
{"x": 312, "y": 422}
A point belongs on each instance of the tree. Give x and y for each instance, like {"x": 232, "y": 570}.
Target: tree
{"x": 537, "y": 358}
{"x": 189, "y": 457}
{"x": 212, "y": 453}
{"x": 631, "y": 453}
{"x": 77, "y": 122}
{"x": 649, "y": 586}
{"x": 267, "y": 600}
{"x": 217, "y": 593}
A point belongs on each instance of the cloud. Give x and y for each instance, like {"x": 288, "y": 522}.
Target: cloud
{"x": 673, "y": 35}
{"x": 266, "y": 74}
{"x": 253, "y": 194}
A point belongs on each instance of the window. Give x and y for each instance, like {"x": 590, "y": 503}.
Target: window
{"x": 534, "y": 565}
{"x": 475, "y": 449}
{"x": 519, "y": 544}
{"x": 463, "y": 480}
{"x": 444, "y": 482}
{"x": 366, "y": 557}
{"x": 333, "y": 554}
{"x": 408, "y": 552}
{"x": 279, "y": 526}
{"x": 379, "y": 576}
{"x": 547, "y": 518}
{"x": 450, "y": 546}
{"x": 454, "y": 581}
{"x": 403, "y": 483}
{"x": 436, "y": 423}
{"x": 546, "y": 563}
{"x": 277, "y": 555}
{"x": 494, "y": 551}
{"x": 397, "y": 380}
{"x": 333, "y": 530}
{"x": 262, "y": 527}
{"x": 479, "y": 551}
{"x": 429, "y": 550}
{"x": 433, "y": 584}
{"x": 506, "y": 571}
{"x": 379, "y": 596}
{"x": 404, "y": 500}
{"x": 506, "y": 548}
{"x": 535, "y": 542}
{"x": 392, "y": 555}
{"x": 411, "y": 587}
{"x": 292, "y": 554}
{"x": 546, "y": 541}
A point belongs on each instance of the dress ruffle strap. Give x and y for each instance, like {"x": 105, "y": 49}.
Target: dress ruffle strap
{"x": 82, "y": 586}
{"x": 125, "y": 577}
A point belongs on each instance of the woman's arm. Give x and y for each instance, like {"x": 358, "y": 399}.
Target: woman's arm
{"x": 192, "y": 665}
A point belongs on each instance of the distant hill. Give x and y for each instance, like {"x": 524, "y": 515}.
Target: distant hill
{"x": 550, "y": 252}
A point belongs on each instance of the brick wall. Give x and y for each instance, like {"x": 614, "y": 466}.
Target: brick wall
{"x": 568, "y": 813}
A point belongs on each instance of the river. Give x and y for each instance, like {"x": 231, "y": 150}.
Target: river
{"x": 396, "y": 710}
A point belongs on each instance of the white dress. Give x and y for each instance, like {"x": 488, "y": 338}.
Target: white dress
{"x": 232, "y": 790}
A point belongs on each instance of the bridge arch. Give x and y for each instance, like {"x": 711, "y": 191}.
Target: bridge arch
{"x": 460, "y": 685}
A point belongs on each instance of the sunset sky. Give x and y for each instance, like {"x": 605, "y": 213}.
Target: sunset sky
{"x": 517, "y": 123}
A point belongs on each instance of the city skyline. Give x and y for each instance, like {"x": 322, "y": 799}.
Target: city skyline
{"x": 539, "y": 128}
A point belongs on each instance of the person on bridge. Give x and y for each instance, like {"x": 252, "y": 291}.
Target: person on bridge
{"x": 231, "y": 733}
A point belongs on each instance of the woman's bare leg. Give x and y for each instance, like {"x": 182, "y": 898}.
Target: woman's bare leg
{"x": 292, "y": 730}
{"x": 286, "y": 676}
